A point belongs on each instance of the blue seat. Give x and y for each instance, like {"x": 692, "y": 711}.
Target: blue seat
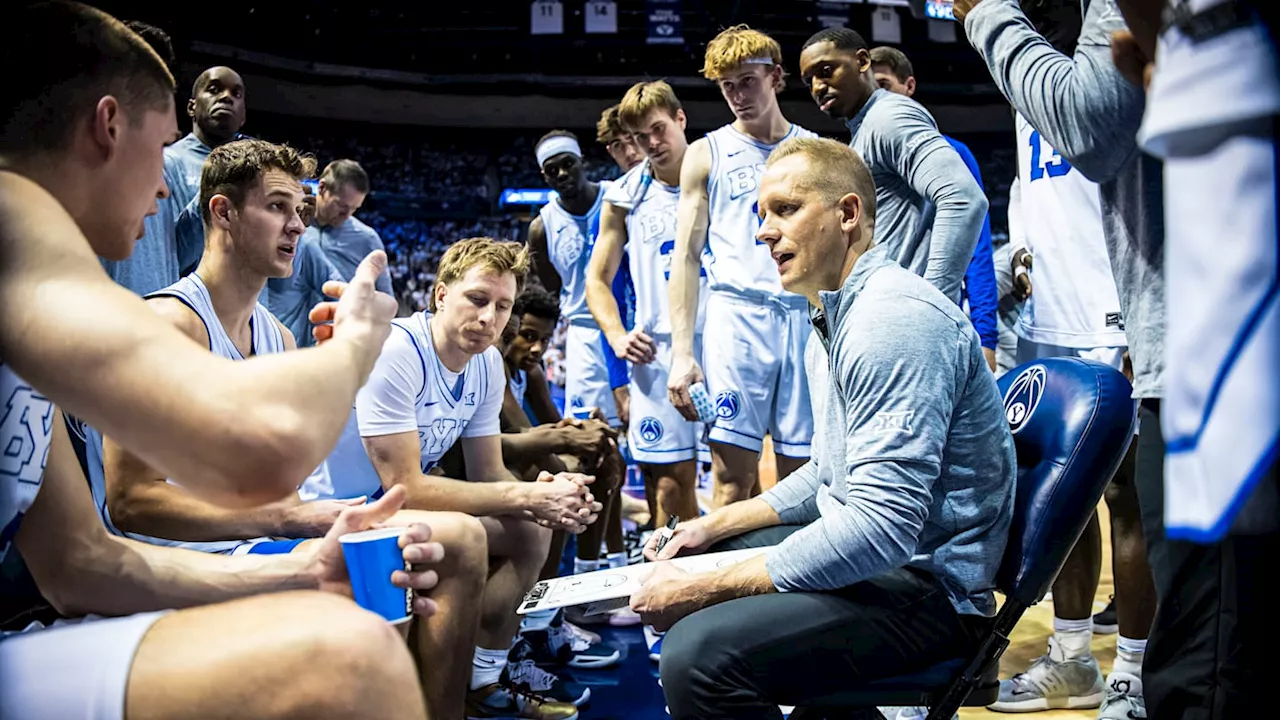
{"x": 1072, "y": 422}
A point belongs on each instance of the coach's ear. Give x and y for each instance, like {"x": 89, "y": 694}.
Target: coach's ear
{"x": 220, "y": 209}
{"x": 850, "y": 213}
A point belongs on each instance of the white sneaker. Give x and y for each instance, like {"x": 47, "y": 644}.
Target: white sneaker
{"x": 653, "y": 640}
{"x": 1123, "y": 699}
{"x": 624, "y": 617}
{"x": 908, "y": 713}
{"x": 1051, "y": 682}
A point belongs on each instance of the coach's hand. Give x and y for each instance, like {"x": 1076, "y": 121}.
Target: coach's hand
{"x": 329, "y": 568}
{"x": 689, "y": 538}
{"x": 634, "y": 347}
{"x": 665, "y": 596}
{"x": 311, "y": 519}
{"x": 361, "y": 313}
{"x": 685, "y": 371}
{"x": 562, "y": 501}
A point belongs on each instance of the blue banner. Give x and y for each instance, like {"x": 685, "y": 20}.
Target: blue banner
{"x": 664, "y": 23}
{"x": 526, "y": 196}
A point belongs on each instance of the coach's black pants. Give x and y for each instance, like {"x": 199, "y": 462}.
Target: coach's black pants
{"x": 743, "y": 658}
{"x": 1213, "y": 647}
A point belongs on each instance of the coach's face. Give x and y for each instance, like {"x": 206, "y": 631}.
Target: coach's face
{"x": 476, "y": 308}
{"x": 265, "y": 230}
{"x": 807, "y": 234}
{"x": 130, "y": 147}
{"x": 834, "y": 78}
{"x": 531, "y": 342}
{"x": 336, "y": 203}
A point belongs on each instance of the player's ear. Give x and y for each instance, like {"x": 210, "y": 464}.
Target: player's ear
{"x": 682, "y": 119}
{"x": 220, "y": 209}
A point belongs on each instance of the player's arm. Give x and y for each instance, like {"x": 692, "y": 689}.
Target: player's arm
{"x": 1082, "y": 105}
{"x": 541, "y": 259}
{"x": 935, "y": 170}
{"x": 239, "y": 432}
{"x": 538, "y": 394}
{"x": 634, "y": 346}
{"x": 80, "y": 568}
{"x": 980, "y": 277}
{"x": 143, "y": 501}
{"x": 692, "y": 223}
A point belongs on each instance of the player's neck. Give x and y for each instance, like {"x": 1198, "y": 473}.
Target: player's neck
{"x": 670, "y": 175}
{"x": 768, "y": 129}
{"x": 582, "y": 204}
{"x": 451, "y": 356}
{"x": 233, "y": 289}
{"x": 212, "y": 141}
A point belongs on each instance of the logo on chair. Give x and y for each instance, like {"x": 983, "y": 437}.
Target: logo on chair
{"x": 651, "y": 430}
{"x": 1023, "y": 397}
{"x": 727, "y": 405}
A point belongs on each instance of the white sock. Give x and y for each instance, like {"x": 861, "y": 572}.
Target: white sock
{"x": 1073, "y": 637}
{"x": 486, "y": 667}
{"x": 1129, "y": 654}
{"x": 616, "y": 560}
{"x": 585, "y": 566}
{"x": 538, "y": 620}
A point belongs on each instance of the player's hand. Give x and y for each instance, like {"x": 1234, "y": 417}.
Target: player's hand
{"x": 361, "y": 313}
{"x": 622, "y": 401}
{"x": 1133, "y": 61}
{"x": 665, "y": 596}
{"x": 329, "y": 568}
{"x": 961, "y": 8}
{"x": 690, "y": 537}
{"x": 685, "y": 371}
{"x": 1021, "y": 267}
{"x": 562, "y": 501}
{"x": 585, "y": 439}
{"x": 312, "y": 519}
{"x": 634, "y": 347}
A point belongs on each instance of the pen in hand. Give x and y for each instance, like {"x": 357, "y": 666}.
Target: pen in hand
{"x": 665, "y": 533}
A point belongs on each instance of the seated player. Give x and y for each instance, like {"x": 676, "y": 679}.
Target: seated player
{"x": 81, "y": 152}
{"x": 439, "y": 381}
{"x": 884, "y": 546}
{"x": 251, "y": 195}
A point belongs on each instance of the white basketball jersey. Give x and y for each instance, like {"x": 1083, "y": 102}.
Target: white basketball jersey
{"x": 570, "y": 239}
{"x": 651, "y": 240}
{"x": 1073, "y": 301}
{"x": 26, "y": 432}
{"x": 267, "y": 338}
{"x": 740, "y": 264}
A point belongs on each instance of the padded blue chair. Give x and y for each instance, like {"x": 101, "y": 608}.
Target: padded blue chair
{"x": 1072, "y": 422}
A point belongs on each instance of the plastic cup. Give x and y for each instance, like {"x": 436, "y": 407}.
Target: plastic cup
{"x": 372, "y": 555}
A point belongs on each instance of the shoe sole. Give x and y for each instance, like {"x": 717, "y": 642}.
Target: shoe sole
{"x": 1105, "y": 629}
{"x": 594, "y": 662}
{"x": 511, "y": 717}
{"x": 1081, "y": 702}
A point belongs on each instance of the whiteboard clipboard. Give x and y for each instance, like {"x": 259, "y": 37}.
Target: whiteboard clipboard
{"x": 617, "y": 584}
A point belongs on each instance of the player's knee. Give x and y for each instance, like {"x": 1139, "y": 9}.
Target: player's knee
{"x": 1122, "y": 501}
{"x": 346, "y": 659}
{"x": 466, "y": 545}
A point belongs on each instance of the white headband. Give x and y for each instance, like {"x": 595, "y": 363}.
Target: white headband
{"x": 554, "y": 146}
{"x": 758, "y": 61}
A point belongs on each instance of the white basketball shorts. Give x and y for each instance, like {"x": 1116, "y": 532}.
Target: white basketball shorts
{"x": 586, "y": 373}
{"x": 658, "y": 433}
{"x": 754, "y": 365}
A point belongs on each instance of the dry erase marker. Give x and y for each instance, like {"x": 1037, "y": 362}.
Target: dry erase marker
{"x": 664, "y": 534}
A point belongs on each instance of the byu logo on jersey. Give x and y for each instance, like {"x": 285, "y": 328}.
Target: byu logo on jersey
{"x": 569, "y": 244}
{"x": 438, "y": 437}
{"x": 727, "y": 405}
{"x": 651, "y": 430}
{"x": 743, "y": 180}
{"x": 1023, "y": 397}
{"x": 25, "y": 435}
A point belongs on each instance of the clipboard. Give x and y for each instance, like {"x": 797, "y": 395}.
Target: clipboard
{"x": 611, "y": 588}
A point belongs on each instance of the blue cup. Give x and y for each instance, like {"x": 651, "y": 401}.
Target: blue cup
{"x": 372, "y": 555}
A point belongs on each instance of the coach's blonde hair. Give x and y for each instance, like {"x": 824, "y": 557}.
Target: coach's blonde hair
{"x": 834, "y": 170}
{"x": 734, "y": 46}
{"x": 498, "y": 256}
{"x": 643, "y": 98}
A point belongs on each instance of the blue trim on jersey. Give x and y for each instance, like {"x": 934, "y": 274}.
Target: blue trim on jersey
{"x": 1243, "y": 493}
{"x": 1188, "y": 443}
{"x": 185, "y": 301}
{"x": 273, "y": 547}
{"x": 422, "y": 392}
